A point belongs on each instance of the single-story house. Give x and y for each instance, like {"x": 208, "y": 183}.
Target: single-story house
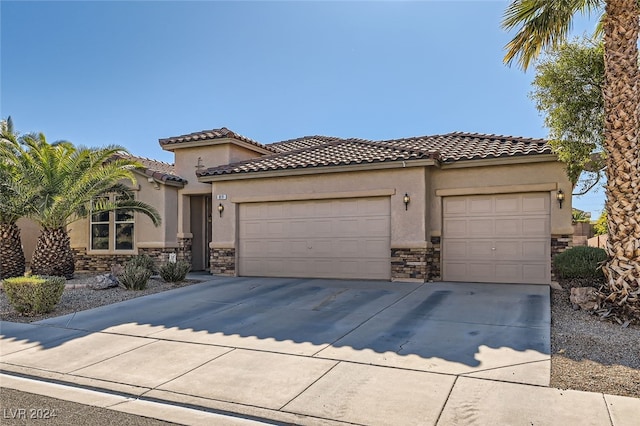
{"x": 454, "y": 207}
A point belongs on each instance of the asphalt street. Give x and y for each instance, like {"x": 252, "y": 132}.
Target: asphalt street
{"x": 23, "y": 408}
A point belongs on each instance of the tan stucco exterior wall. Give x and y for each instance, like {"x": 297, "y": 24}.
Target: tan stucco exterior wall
{"x": 528, "y": 177}
{"x": 425, "y": 185}
{"x": 186, "y": 162}
{"x": 407, "y": 226}
{"x": 29, "y": 232}
{"x": 162, "y": 197}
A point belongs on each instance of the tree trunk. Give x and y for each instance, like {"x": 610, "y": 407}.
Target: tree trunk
{"x": 11, "y": 253}
{"x": 53, "y": 255}
{"x": 621, "y": 102}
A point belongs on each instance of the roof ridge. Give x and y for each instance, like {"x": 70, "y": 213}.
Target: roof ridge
{"x": 216, "y": 133}
{"x": 301, "y": 138}
{"x": 495, "y": 136}
{"x": 151, "y": 159}
{"x": 338, "y": 142}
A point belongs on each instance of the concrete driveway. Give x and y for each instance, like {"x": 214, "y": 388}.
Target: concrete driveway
{"x": 303, "y": 351}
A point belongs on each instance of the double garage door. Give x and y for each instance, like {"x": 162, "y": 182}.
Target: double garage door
{"x": 497, "y": 238}
{"x": 336, "y": 238}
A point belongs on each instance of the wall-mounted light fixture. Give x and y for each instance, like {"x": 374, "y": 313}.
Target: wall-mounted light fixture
{"x": 220, "y": 209}
{"x": 406, "y": 200}
{"x": 560, "y": 197}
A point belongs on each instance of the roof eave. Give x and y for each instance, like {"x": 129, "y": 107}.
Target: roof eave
{"x": 217, "y": 141}
{"x": 496, "y": 161}
{"x": 397, "y": 164}
{"x": 169, "y": 182}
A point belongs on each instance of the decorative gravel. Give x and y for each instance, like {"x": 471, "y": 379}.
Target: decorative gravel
{"x": 590, "y": 354}
{"x": 78, "y": 296}
{"x": 587, "y": 354}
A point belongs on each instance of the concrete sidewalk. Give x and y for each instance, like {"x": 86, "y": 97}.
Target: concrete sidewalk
{"x": 311, "y": 352}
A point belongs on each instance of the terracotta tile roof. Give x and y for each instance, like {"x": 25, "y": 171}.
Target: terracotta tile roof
{"x": 324, "y": 151}
{"x": 157, "y": 169}
{"x": 473, "y": 146}
{"x": 303, "y": 142}
{"x": 209, "y": 134}
{"x": 337, "y": 153}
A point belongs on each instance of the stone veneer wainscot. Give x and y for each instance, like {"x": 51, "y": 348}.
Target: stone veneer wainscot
{"x": 223, "y": 261}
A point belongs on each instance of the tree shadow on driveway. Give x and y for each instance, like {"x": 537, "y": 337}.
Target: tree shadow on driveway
{"x": 362, "y": 321}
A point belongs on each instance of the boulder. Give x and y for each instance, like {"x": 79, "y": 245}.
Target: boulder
{"x": 104, "y": 281}
{"x": 585, "y": 298}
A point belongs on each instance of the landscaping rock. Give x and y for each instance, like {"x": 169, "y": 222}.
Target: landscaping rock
{"x": 585, "y": 298}
{"x": 103, "y": 282}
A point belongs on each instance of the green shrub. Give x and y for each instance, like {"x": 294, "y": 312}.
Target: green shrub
{"x": 580, "y": 262}
{"x": 144, "y": 261}
{"x": 134, "y": 276}
{"x": 34, "y": 294}
{"x": 175, "y": 271}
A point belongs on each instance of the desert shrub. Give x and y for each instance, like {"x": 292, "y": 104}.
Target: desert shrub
{"x": 34, "y": 294}
{"x": 175, "y": 271}
{"x": 580, "y": 262}
{"x": 134, "y": 276}
{"x": 144, "y": 261}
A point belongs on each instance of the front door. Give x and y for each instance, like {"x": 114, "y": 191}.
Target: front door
{"x": 201, "y": 230}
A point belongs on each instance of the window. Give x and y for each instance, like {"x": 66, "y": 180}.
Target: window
{"x": 111, "y": 230}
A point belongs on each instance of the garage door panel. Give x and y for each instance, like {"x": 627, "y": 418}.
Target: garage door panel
{"x": 535, "y": 272}
{"x": 347, "y": 226}
{"x": 456, "y": 271}
{"x": 344, "y": 208}
{"x": 275, "y": 228}
{"x": 480, "y": 205}
{"x": 507, "y": 205}
{"x": 508, "y": 250}
{"x": 320, "y": 238}
{"x": 274, "y": 211}
{"x": 497, "y": 238}
{"x": 296, "y": 228}
{"x": 536, "y": 249}
{"x": 480, "y": 227}
{"x": 484, "y": 271}
{"x": 251, "y": 228}
{"x": 321, "y": 227}
{"x": 534, "y": 204}
{"x": 455, "y": 227}
{"x": 454, "y": 207}
{"x": 535, "y": 226}
{"x": 505, "y": 271}
{"x": 480, "y": 249}
{"x": 374, "y": 249}
{"x": 376, "y": 226}
{"x": 508, "y": 227}
{"x": 455, "y": 250}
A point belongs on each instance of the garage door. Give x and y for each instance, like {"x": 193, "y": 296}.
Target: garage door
{"x": 497, "y": 238}
{"x": 342, "y": 238}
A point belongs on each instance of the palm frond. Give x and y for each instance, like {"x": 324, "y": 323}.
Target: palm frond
{"x": 540, "y": 24}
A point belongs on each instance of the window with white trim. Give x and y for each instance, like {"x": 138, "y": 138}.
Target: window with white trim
{"x": 112, "y": 231}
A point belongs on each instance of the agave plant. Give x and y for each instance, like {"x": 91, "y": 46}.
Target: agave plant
{"x": 66, "y": 179}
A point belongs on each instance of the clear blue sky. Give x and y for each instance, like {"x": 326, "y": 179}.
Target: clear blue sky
{"x": 131, "y": 72}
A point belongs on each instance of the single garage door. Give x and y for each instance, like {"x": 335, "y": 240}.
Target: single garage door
{"x": 337, "y": 238}
{"x": 497, "y": 238}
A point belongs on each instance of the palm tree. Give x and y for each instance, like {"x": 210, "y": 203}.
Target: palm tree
{"x": 68, "y": 179}
{"x": 545, "y": 23}
{"x": 12, "y": 207}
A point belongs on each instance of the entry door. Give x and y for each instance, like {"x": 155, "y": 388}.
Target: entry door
{"x": 201, "y": 230}
{"x": 497, "y": 238}
{"x": 341, "y": 238}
